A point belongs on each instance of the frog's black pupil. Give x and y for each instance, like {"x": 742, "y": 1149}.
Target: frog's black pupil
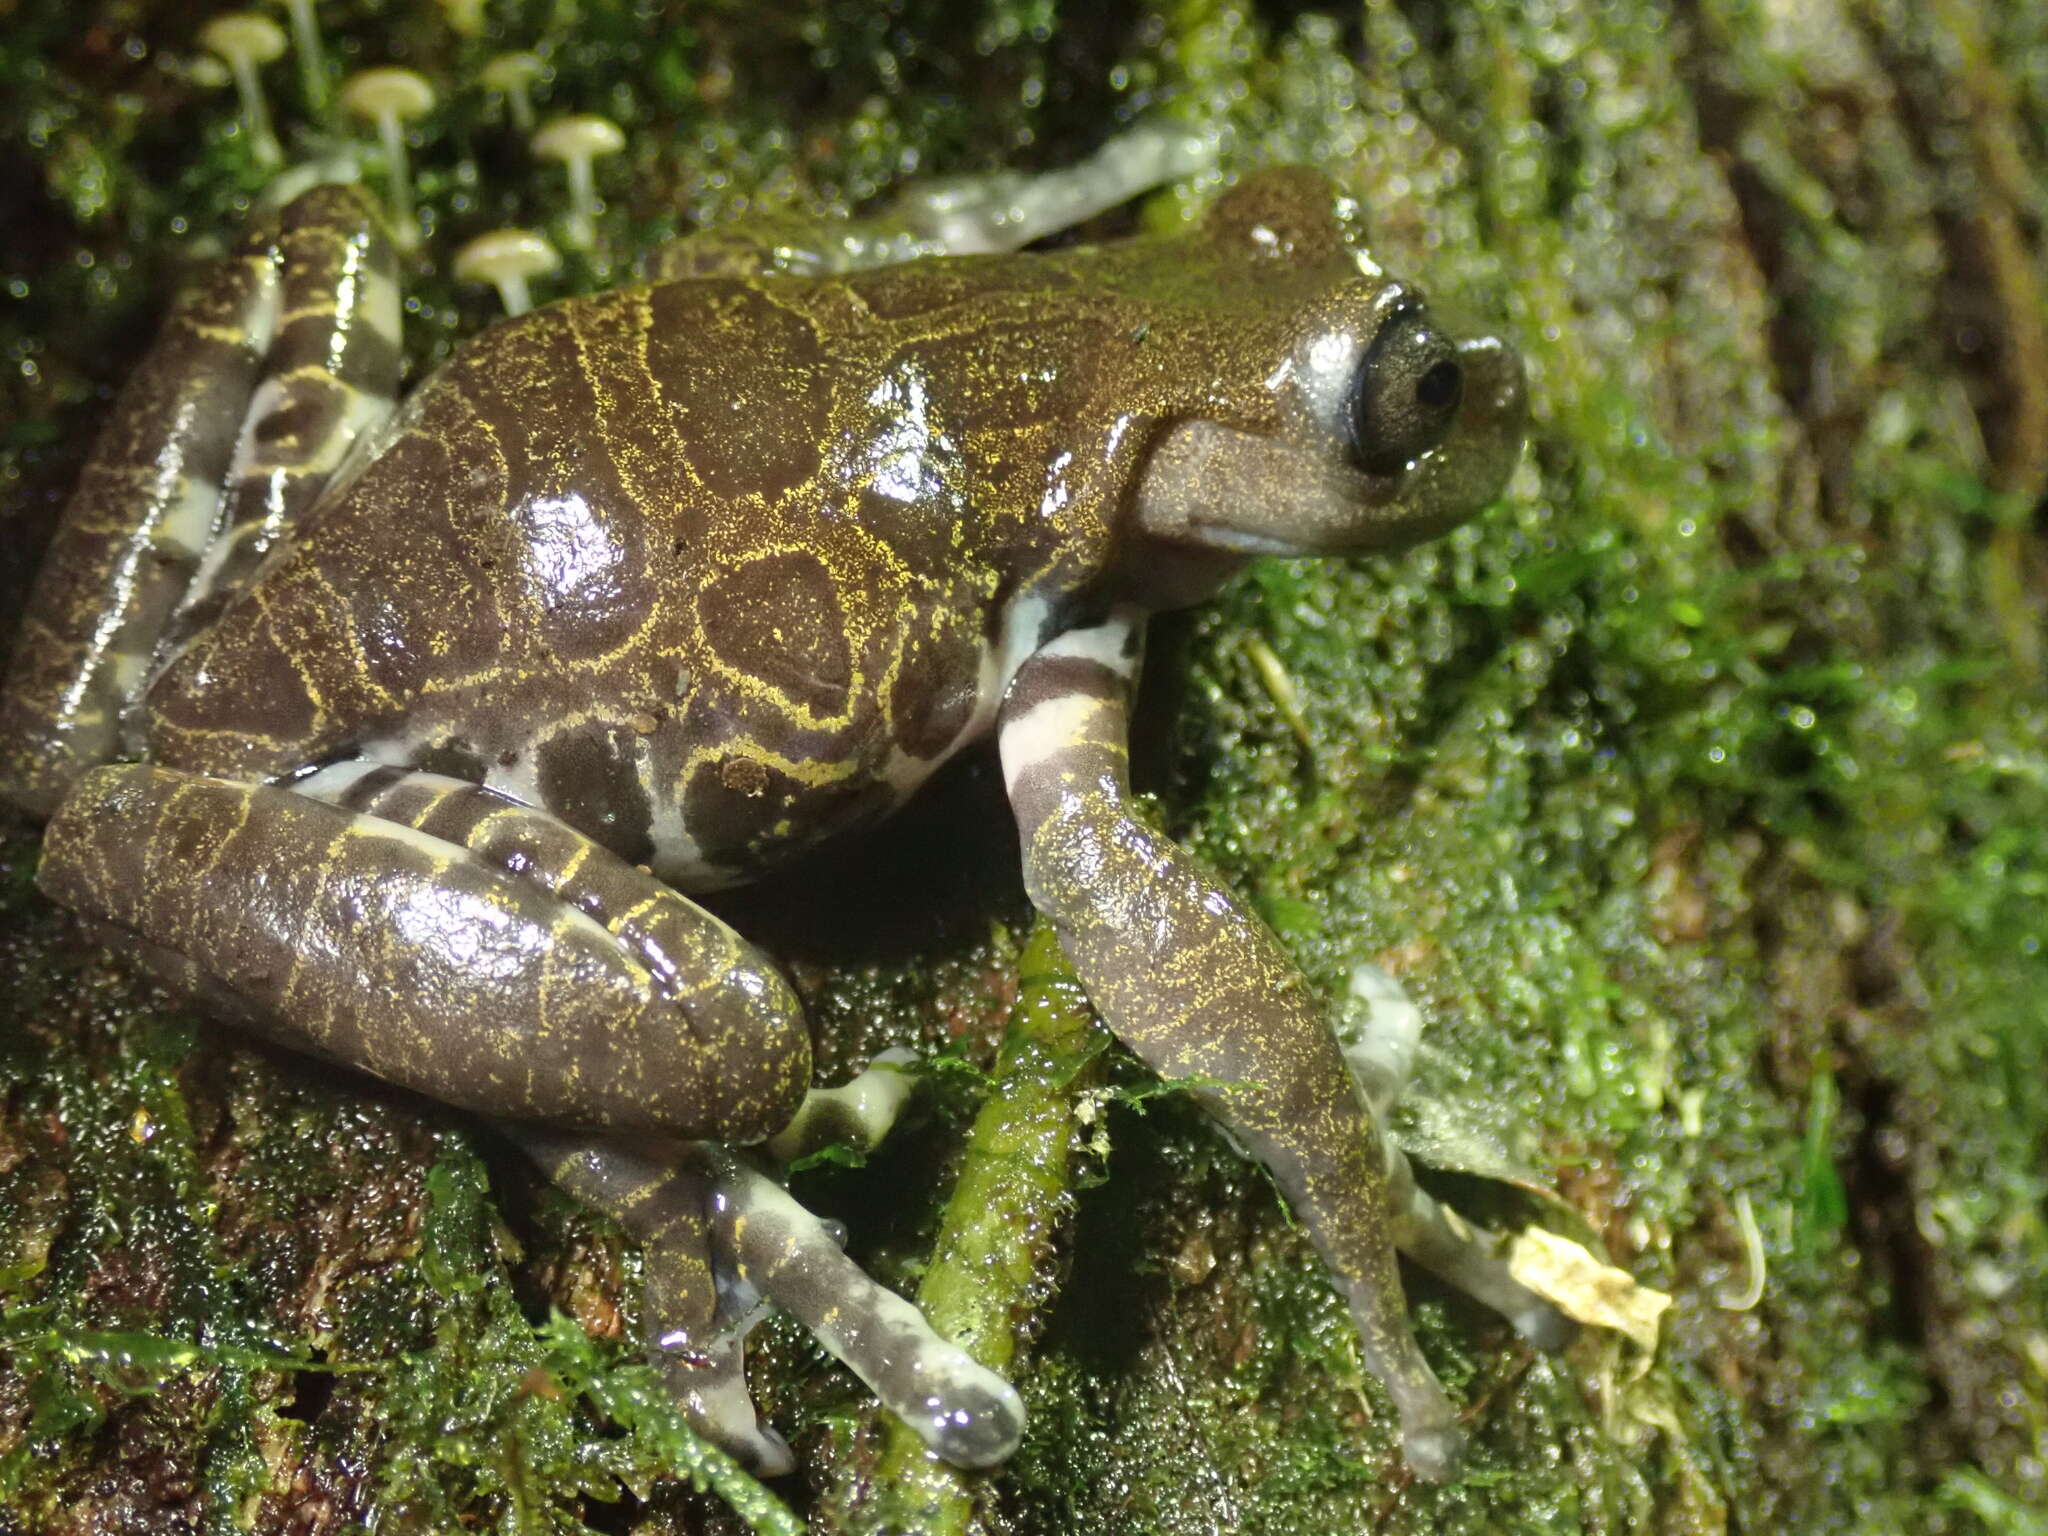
{"x": 1438, "y": 389}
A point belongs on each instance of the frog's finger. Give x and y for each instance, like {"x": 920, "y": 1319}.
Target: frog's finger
{"x": 1200, "y": 989}
{"x": 858, "y": 1114}
{"x": 1467, "y": 1256}
{"x": 1378, "y": 1029}
{"x": 965, "y": 1412}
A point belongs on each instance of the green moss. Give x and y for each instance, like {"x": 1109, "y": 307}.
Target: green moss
{"x": 1700, "y": 793}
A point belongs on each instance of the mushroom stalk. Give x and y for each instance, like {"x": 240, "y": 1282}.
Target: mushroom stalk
{"x": 576, "y": 142}
{"x": 391, "y": 98}
{"x": 514, "y": 293}
{"x": 312, "y": 62}
{"x": 506, "y": 258}
{"x": 582, "y": 221}
{"x": 513, "y": 74}
{"x": 246, "y": 41}
{"x": 256, "y": 112}
{"x": 520, "y": 105}
{"x": 405, "y": 228}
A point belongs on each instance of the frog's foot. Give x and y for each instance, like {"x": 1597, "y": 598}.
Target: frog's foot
{"x": 1380, "y": 1030}
{"x": 965, "y": 1412}
{"x": 950, "y": 216}
{"x": 722, "y": 1241}
{"x": 1006, "y": 211}
{"x": 695, "y": 1315}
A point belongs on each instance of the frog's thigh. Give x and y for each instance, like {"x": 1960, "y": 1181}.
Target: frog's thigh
{"x": 312, "y": 303}
{"x": 442, "y": 937}
{"x": 1200, "y": 989}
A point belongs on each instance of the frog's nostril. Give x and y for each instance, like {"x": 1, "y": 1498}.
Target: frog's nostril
{"x": 1441, "y": 387}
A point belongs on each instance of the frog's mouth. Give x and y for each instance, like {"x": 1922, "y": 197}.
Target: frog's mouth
{"x": 1216, "y": 488}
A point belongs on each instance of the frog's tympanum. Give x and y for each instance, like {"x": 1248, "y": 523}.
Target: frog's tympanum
{"x": 401, "y": 731}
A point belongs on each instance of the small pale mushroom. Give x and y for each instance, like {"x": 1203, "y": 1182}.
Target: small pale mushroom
{"x": 576, "y": 142}
{"x": 312, "y": 62}
{"x": 513, "y": 74}
{"x": 506, "y": 258}
{"x": 465, "y": 17}
{"x": 244, "y": 41}
{"x": 391, "y": 98}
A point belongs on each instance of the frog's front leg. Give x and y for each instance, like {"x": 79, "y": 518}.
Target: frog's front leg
{"x": 1200, "y": 989}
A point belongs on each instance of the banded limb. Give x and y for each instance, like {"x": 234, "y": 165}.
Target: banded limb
{"x": 953, "y": 216}
{"x": 722, "y": 1241}
{"x": 225, "y": 435}
{"x": 1200, "y": 989}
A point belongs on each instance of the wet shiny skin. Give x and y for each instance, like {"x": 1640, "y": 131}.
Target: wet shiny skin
{"x": 648, "y": 592}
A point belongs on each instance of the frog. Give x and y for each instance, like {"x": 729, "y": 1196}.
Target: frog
{"x": 406, "y": 729}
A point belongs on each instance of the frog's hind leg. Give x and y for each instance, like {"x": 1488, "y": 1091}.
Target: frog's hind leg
{"x": 441, "y": 936}
{"x": 227, "y": 430}
{"x": 954, "y": 216}
{"x": 329, "y": 377}
{"x": 1007, "y": 210}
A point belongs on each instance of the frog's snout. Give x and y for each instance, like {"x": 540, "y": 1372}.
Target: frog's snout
{"x": 1495, "y": 412}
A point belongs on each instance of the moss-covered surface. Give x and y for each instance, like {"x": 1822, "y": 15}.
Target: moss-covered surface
{"x": 1700, "y": 792}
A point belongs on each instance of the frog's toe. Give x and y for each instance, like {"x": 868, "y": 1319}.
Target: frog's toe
{"x": 1545, "y": 1326}
{"x": 1433, "y": 1451}
{"x": 711, "y": 1386}
{"x": 964, "y": 1411}
{"x": 975, "y": 1421}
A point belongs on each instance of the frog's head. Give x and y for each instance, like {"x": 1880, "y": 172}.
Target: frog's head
{"x": 1374, "y": 428}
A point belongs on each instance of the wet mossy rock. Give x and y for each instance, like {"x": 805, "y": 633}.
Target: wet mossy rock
{"x": 1699, "y": 793}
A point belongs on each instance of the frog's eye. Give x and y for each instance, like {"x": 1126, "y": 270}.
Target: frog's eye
{"x": 1405, "y": 394}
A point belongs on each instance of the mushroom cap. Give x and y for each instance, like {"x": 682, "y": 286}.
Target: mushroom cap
{"x": 509, "y": 71}
{"x": 575, "y": 138}
{"x": 504, "y": 253}
{"x": 403, "y": 93}
{"x": 243, "y": 34}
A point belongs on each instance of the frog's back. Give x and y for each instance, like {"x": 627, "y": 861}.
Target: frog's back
{"x": 711, "y": 569}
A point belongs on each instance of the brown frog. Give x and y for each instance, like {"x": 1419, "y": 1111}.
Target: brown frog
{"x": 402, "y": 731}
